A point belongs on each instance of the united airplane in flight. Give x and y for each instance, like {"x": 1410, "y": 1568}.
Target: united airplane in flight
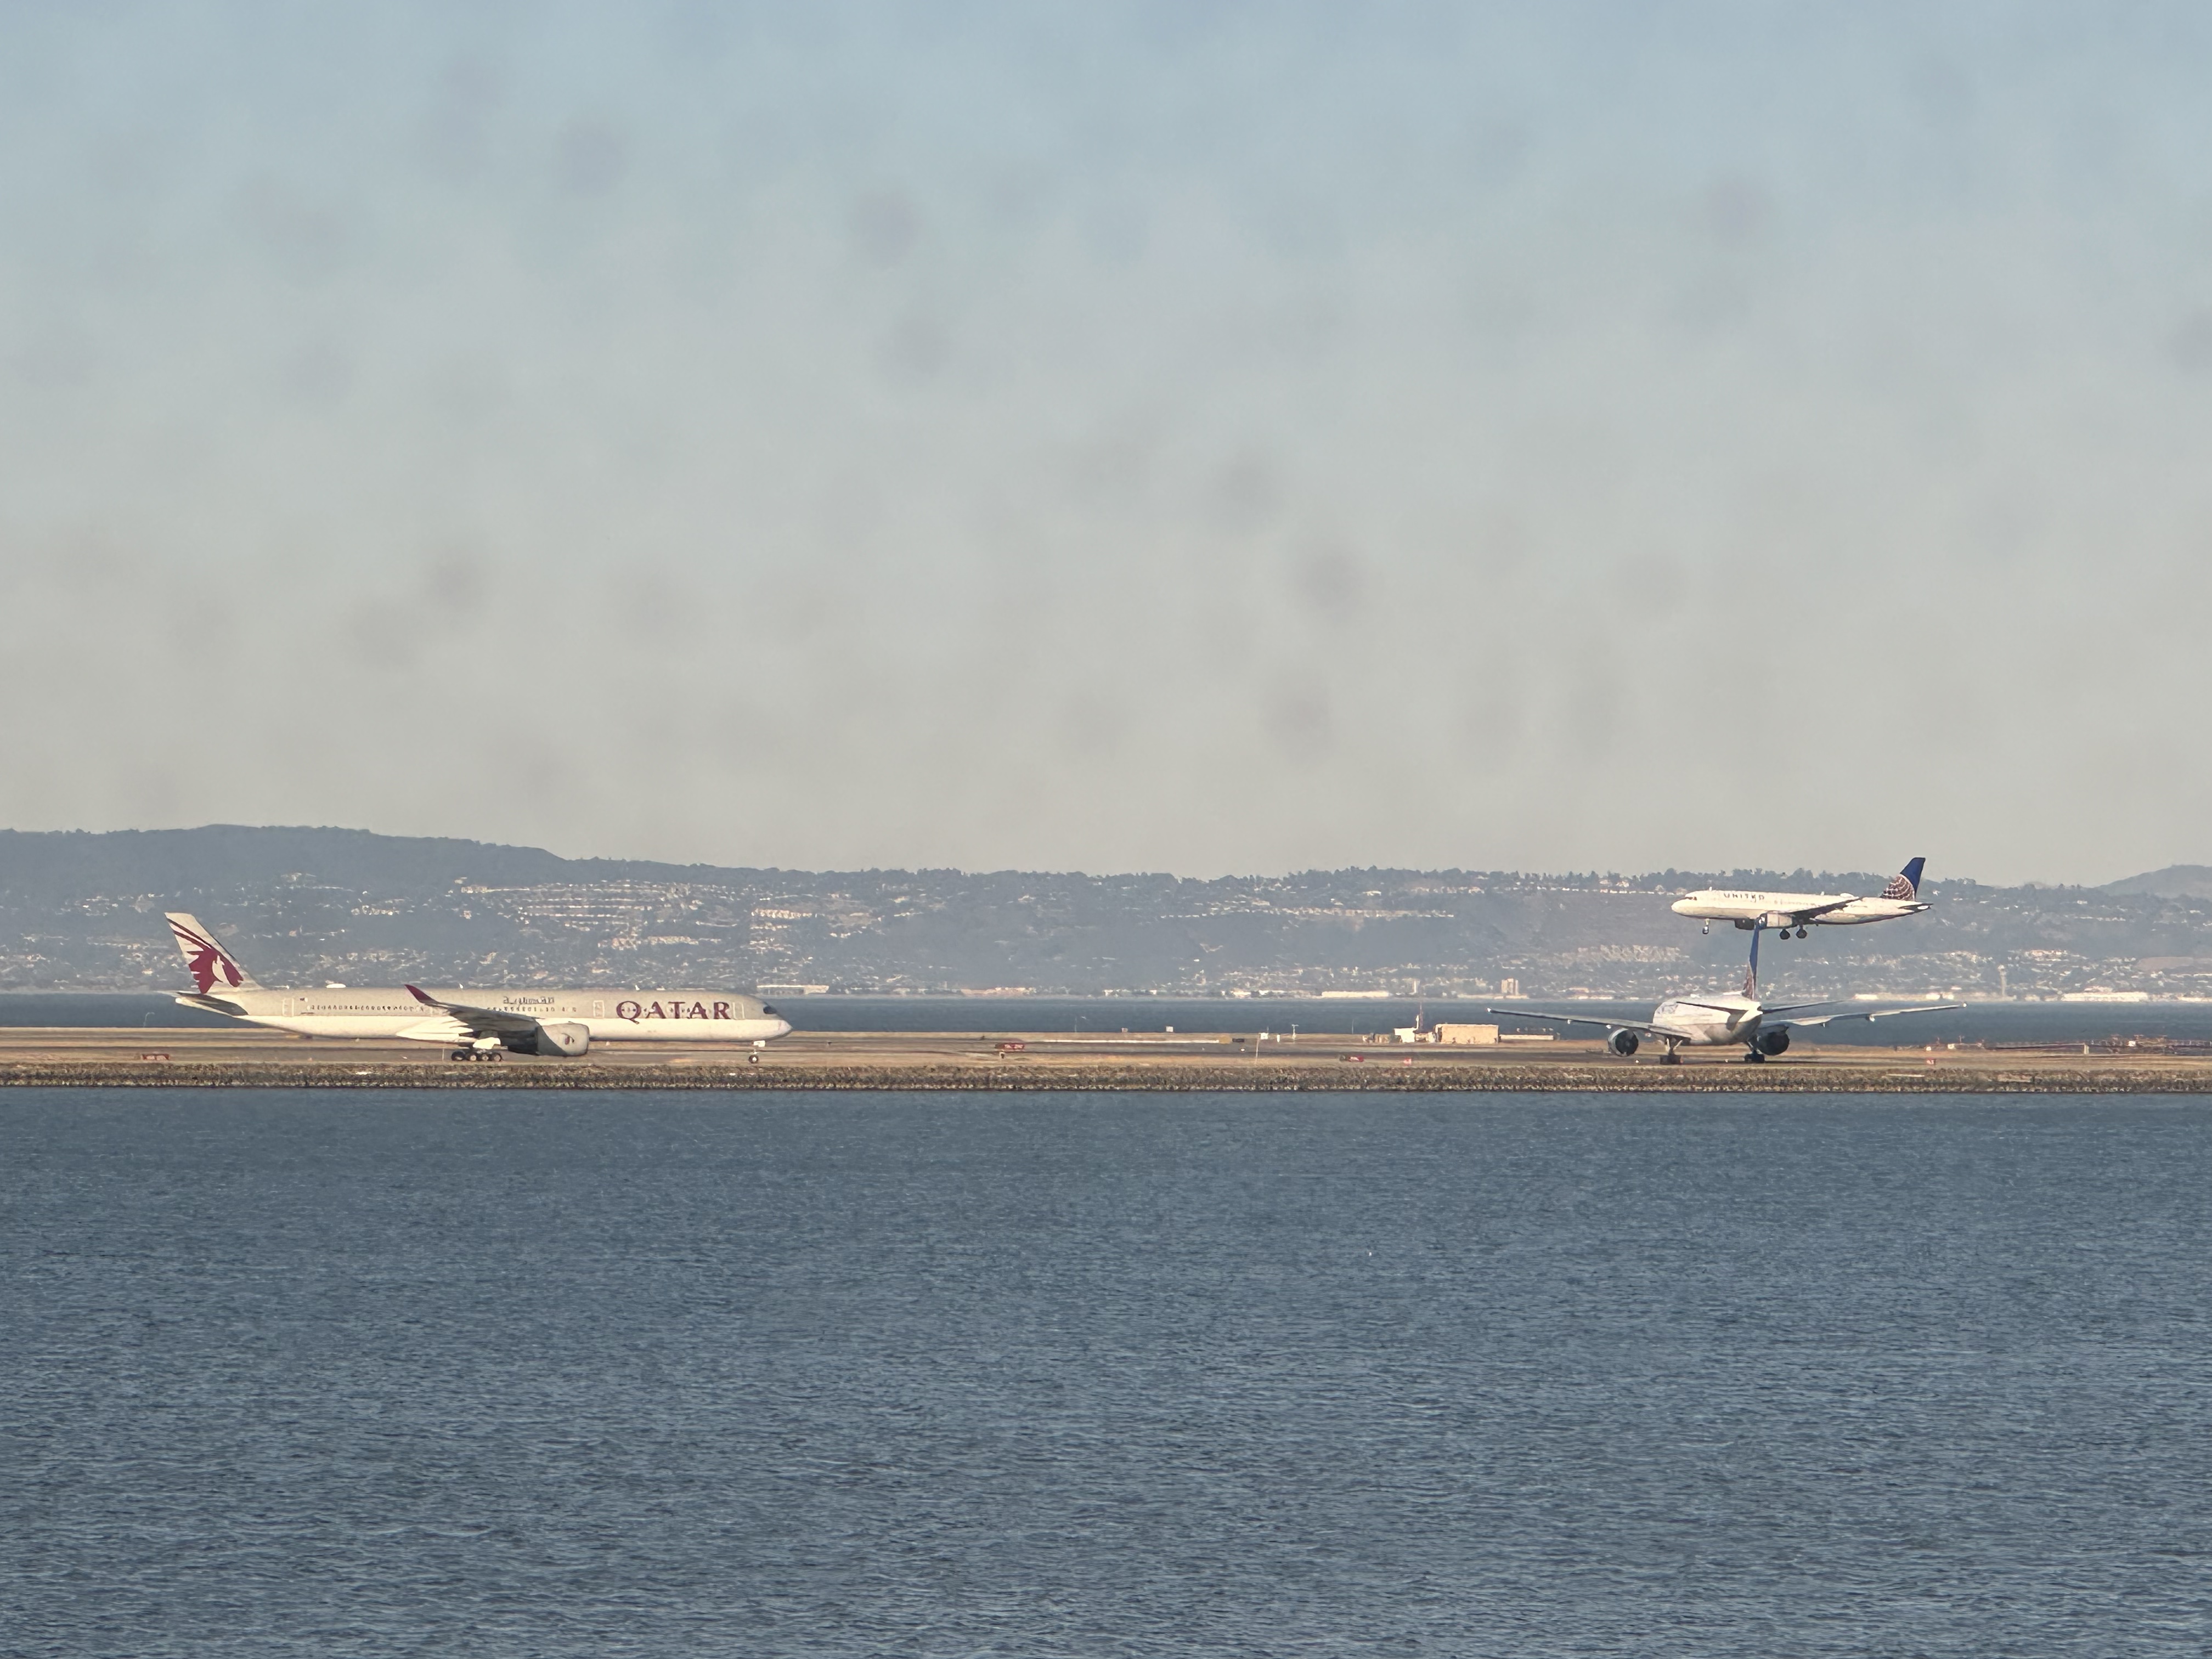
{"x": 473, "y": 1025}
{"x": 1784, "y": 911}
{"x": 1722, "y": 1018}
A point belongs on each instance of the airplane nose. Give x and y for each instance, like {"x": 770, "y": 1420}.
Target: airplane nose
{"x": 1679, "y": 907}
{"x": 783, "y": 1028}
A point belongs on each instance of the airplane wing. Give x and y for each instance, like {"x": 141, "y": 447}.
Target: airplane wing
{"x": 481, "y": 1021}
{"x": 211, "y": 1004}
{"x": 1644, "y": 1026}
{"x": 1869, "y": 1013}
{"x": 1811, "y": 911}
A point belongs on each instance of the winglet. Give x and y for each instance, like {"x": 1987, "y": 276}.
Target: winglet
{"x": 1905, "y": 883}
{"x": 423, "y": 997}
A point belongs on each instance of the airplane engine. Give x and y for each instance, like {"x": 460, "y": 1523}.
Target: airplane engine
{"x": 1775, "y": 1041}
{"x": 563, "y": 1039}
{"x": 1623, "y": 1043}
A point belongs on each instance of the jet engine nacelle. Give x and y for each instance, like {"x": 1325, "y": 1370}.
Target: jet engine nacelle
{"x": 1623, "y": 1043}
{"x": 1775, "y": 1041}
{"x": 568, "y": 1039}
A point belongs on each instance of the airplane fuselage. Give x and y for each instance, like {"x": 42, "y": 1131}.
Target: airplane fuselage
{"x": 1755, "y": 909}
{"x": 610, "y": 1015}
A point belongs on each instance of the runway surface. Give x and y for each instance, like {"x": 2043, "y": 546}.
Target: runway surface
{"x": 247, "y": 1057}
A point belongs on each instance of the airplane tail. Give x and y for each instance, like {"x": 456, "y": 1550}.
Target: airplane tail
{"x": 1751, "y": 974}
{"x": 210, "y": 964}
{"x": 1905, "y": 883}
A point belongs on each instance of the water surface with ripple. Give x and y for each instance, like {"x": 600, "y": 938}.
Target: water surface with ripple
{"x": 317, "y": 1373}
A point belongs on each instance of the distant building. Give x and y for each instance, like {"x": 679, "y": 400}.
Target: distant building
{"x": 1509, "y": 987}
{"x": 1467, "y": 1034}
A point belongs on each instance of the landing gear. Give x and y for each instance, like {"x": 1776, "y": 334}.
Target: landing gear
{"x": 1670, "y": 1058}
{"x": 1708, "y": 927}
{"x": 475, "y": 1054}
{"x": 1753, "y": 1057}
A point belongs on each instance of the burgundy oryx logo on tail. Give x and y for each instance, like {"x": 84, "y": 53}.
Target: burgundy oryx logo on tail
{"x": 206, "y": 960}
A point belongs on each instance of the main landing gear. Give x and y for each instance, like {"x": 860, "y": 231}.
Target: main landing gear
{"x": 477, "y": 1053}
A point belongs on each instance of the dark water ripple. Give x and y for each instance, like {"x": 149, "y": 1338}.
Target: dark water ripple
{"x": 306, "y": 1373}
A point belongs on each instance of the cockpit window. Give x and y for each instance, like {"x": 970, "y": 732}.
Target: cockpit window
{"x": 765, "y": 1009}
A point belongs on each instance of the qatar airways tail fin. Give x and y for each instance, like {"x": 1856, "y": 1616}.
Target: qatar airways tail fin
{"x": 1905, "y": 883}
{"x": 212, "y": 966}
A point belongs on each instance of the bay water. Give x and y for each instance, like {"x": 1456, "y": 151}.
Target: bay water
{"x": 335, "y": 1373}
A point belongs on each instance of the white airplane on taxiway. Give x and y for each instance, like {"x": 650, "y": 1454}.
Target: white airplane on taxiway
{"x": 1722, "y": 1018}
{"x": 474, "y": 1024}
{"x": 1784, "y": 911}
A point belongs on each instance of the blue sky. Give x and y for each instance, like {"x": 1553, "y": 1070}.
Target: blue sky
{"x": 1184, "y": 437}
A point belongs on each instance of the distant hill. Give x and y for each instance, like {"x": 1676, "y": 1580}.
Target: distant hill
{"x": 62, "y": 865}
{"x": 303, "y": 906}
{"x": 2175, "y": 881}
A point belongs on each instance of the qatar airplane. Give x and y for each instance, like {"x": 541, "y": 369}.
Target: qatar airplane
{"x": 1718, "y": 1020}
{"x": 1784, "y": 911}
{"x": 477, "y": 1024}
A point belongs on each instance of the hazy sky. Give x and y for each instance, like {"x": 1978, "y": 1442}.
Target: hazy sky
{"x": 1181, "y": 436}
